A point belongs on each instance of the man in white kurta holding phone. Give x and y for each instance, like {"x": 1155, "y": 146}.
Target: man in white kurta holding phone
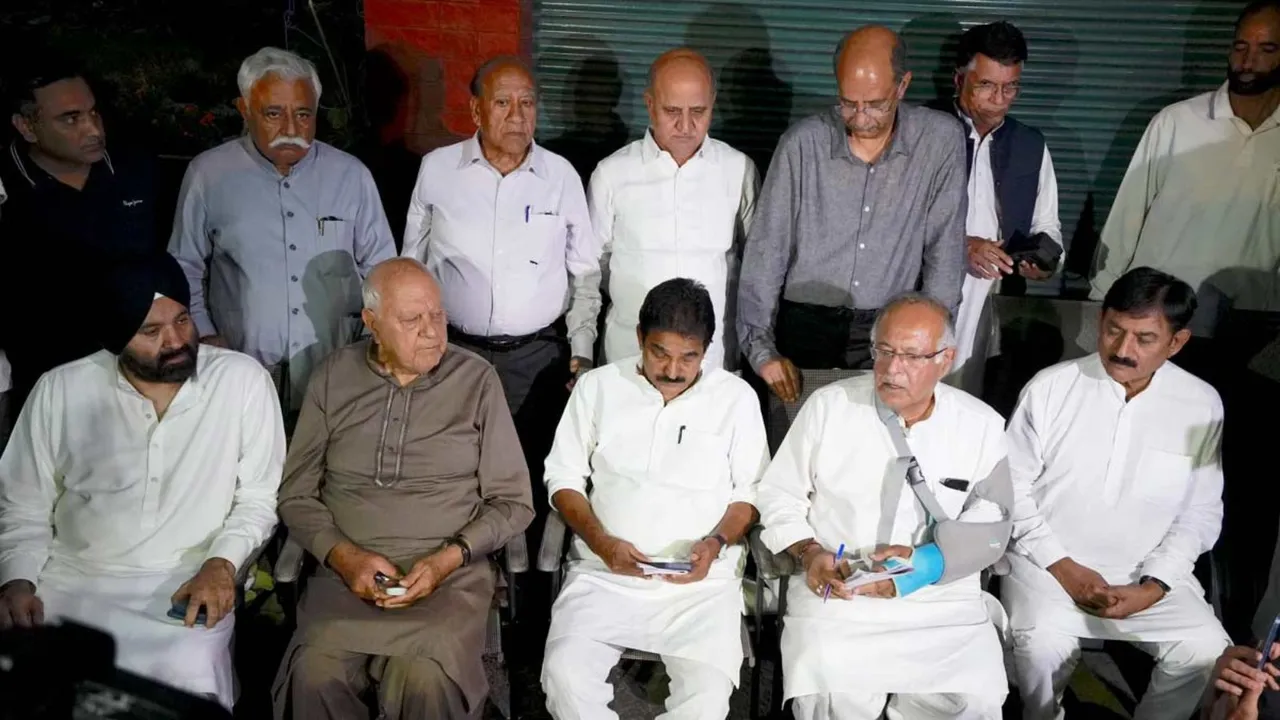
{"x": 672, "y": 453}
{"x": 871, "y": 466}
{"x": 1118, "y": 479}
{"x": 139, "y": 478}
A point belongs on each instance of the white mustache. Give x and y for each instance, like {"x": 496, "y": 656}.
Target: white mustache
{"x": 290, "y": 140}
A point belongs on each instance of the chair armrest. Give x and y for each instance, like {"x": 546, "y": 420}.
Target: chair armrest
{"x": 554, "y": 536}
{"x": 769, "y": 565}
{"x": 289, "y": 564}
{"x": 516, "y": 555}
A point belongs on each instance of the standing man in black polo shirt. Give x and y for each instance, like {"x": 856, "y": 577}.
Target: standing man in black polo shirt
{"x": 71, "y": 206}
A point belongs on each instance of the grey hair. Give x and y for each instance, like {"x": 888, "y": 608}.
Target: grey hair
{"x": 274, "y": 61}
{"x": 370, "y": 297}
{"x": 898, "y": 60}
{"x": 948, "y": 339}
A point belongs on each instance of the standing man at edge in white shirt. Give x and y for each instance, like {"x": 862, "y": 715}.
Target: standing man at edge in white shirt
{"x": 1012, "y": 187}
{"x": 1116, "y": 462}
{"x": 675, "y": 203}
{"x": 141, "y": 476}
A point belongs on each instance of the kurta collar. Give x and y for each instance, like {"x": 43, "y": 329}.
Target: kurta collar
{"x": 968, "y": 121}
{"x": 636, "y": 377}
{"x": 261, "y": 160}
{"x": 189, "y": 394}
{"x": 898, "y": 144}
{"x": 473, "y": 155}
{"x": 424, "y": 380}
{"x": 649, "y": 149}
{"x": 1095, "y": 369}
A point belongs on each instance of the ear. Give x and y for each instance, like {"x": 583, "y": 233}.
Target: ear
{"x": 640, "y": 339}
{"x": 1179, "y": 341}
{"x": 23, "y": 126}
{"x": 906, "y": 83}
{"x": 959, "y": 81}
{"x": 475, "y": 110}
{"x": 947, "y": 358}
{"x": 648, "y": 101}
{"x": 368, "y": 317}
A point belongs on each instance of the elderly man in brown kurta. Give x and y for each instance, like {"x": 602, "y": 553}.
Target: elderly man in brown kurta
{"x": 404, "y": 462}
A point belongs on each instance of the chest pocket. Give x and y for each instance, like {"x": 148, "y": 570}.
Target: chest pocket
{"x": 542, "y": 240}
{"x": 700, "y": 459}
{"x": 951, "y": 497}
{"x": 1163, "y": 478}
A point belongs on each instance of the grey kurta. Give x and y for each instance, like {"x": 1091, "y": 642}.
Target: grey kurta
{"x": 397, "y": 470}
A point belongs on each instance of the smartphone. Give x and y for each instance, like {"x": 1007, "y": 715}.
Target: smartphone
{"x": 1271, "y": 640}
{"x": 676, "y": 565}
{"x": 178, "y": 611}
{"x": 388, "y": 586}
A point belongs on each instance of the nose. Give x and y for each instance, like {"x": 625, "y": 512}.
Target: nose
{"x": 429, "y": 331}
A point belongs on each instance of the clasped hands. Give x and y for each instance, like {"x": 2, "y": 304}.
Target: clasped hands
{"x": 821, "y": 570}
{"x": 357, "y": 567}
{"x": 1091, "y": 592}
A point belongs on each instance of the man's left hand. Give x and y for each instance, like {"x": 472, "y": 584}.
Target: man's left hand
{"x": 1126, "y": 600}
{"x": 577, "y": 366}
{"x": 213, "y": 588}
{"x": 704, "y": 552}
{"x": 884, "y": 588}
{"x": 1031, "y": 271}
{"x": 425, "y": 576}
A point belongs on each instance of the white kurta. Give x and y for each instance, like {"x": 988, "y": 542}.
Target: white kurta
{"x": 661, "y": 477}
{"x": 658, "y": 221}
{"x": 1201, "y": 201}
{"x": 825, "y": 483}
{"x": 138, "y": 504}
{"x": 977, "y": 328}
{"x": 1128, "y": 489}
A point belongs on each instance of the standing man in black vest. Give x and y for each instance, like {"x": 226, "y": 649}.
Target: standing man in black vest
{"x": 1012, "y": 187}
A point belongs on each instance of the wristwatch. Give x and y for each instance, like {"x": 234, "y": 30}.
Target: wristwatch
{"x": 1155, "y": 580}
{"x": 724, "y": 541}
{"x": 463, "y": 545}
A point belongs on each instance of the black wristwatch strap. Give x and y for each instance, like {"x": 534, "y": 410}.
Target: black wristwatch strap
{"x": 463, "y": 545}
{"x": 1155, "y": 580}
{"x": 724, "y": 541}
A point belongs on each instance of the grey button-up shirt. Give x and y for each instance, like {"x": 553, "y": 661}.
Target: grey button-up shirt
{"x": 281, "y": 257}
{"x": 832, "y": 230}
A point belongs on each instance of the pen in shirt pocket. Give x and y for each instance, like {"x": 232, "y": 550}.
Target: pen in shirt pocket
{"x": 327, "y": 218}
{"x": 529, "y": 213}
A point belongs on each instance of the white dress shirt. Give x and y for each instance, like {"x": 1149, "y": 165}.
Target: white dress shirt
{"x": 1200, "y": 201}
{"x": 662, "y": 477}
{"x": 977, "y": 328}
{"x": 1125, "y": 488}
{"x": 504, "y": 248}
{"x": 657, "y": 221}
{"x": 825, "y": 482}
{"x": 6, "y": 381}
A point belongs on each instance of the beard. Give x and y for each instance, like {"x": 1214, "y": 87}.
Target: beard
{"x": 1258, "y": 84}
{"x": 175, "y": 366}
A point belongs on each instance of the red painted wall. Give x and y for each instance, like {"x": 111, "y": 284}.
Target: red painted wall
{"x": 423, "y": 55}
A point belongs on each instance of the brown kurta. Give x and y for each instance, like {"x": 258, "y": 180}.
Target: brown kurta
{"x": 397, "y": 471}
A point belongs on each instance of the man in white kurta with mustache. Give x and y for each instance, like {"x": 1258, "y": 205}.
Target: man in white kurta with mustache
{"x": 1116, "y": 462}
{"x": 919, "y": 646}
{"x": 673, "y": 453}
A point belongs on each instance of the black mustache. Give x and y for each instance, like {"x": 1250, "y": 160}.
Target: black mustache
{"x": 671, "y": 381}
{"x": 1116, "y": 359}
{"x": 184, "y": 351}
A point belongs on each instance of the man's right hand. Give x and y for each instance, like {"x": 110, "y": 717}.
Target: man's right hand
{"x": 214, "y": 340}
{"x": 620, "y": 555}
{"x": 19, "y": 605}
{"x": 1085, "y": 586}
{"x": 357, "y": 566}
{"x": 821, "y": 570}
{"x": 782, "y": 377}
{"x": 987, "y": 259}
{"x": 1238, "y": 683}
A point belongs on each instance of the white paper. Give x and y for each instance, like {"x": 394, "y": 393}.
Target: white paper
{"x": 894, "y": 567}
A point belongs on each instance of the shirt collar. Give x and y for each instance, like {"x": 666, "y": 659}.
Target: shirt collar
{"x": 192, "y": 390}
{"x": 968, "y": 122}
{"x": 472, "y": 155}
{"x": 649, "y": 149}
{"x": 247, "y": 143}
{"x": 1220, "y": 108}
{"x": 35, "y": 174}
{"x": 1098, "y": 371}
{"x": 898, "y": 143}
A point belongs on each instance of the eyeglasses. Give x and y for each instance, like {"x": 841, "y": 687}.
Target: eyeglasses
{"x": 986, "y": 87}
{"x": 876, "y": 109}
{"x": 912, "y": 360}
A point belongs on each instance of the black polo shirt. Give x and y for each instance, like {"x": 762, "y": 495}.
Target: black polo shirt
{"x": 53, "y": 239}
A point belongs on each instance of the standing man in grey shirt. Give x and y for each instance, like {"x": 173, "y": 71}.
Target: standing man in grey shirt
{"x": 280, "y": 228}
{"x": 861, "y": 202}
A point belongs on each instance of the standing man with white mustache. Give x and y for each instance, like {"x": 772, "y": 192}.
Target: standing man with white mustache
{"x": 281, "y": 228}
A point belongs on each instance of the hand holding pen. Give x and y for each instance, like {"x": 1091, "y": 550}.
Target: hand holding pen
{"x": 825, "y": 574}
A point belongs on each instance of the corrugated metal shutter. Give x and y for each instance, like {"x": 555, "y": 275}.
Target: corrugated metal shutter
{"x": 1098, "y": 71}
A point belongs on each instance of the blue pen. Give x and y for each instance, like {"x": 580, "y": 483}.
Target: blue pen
{"x": 527, "y": 208}
{"x": 839, "y": 554}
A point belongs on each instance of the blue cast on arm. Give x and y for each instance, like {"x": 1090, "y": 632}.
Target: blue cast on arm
{"x": 928, "y": 564}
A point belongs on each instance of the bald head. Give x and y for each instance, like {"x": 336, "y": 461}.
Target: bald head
{"x": 914, "y": 347}
{"x": 871, "y": 49}
{"x": 404, "y": 312}
{"x": 389, "y": 274}
{"x": 504, "y": 106}
{"x": 679, "y": 100}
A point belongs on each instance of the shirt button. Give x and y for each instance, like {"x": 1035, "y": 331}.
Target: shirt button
{"x": 289, "y": 213}
{"x": 862, "y": 246}
{"x": 866, "y": 208}
{"x": 295, "y": 278}
{"x": 293, "y": 247}
{"x": 855, "y": 283}
{"x": 872, "y": 171}
{"x": 286, "y": 186}
{"x": 155, "y": 479}
{"x": 295, "y": 311}
{"x": 148, "y": 416}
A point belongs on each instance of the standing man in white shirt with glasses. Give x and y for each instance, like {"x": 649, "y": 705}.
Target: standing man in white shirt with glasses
{"x": 675, "y": 203}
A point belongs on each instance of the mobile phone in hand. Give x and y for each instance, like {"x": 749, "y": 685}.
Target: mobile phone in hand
{"x": 388, "y": 585}
{"x": 178, "y": 611}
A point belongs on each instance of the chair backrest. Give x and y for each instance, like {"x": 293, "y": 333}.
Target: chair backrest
{"x": 781, "y": 415}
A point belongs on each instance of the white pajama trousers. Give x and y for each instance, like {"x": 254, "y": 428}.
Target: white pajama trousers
{"x": 1045, "y": 659}
{"x": 873, "y": 706}
{"x": 575, "y": 677}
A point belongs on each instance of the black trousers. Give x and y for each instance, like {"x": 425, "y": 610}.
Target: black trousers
{"x": 818, "y": 337}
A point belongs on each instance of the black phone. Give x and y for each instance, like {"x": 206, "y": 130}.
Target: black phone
{"x": 178, "y": 611}
{"x": 1038, "y": 249}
